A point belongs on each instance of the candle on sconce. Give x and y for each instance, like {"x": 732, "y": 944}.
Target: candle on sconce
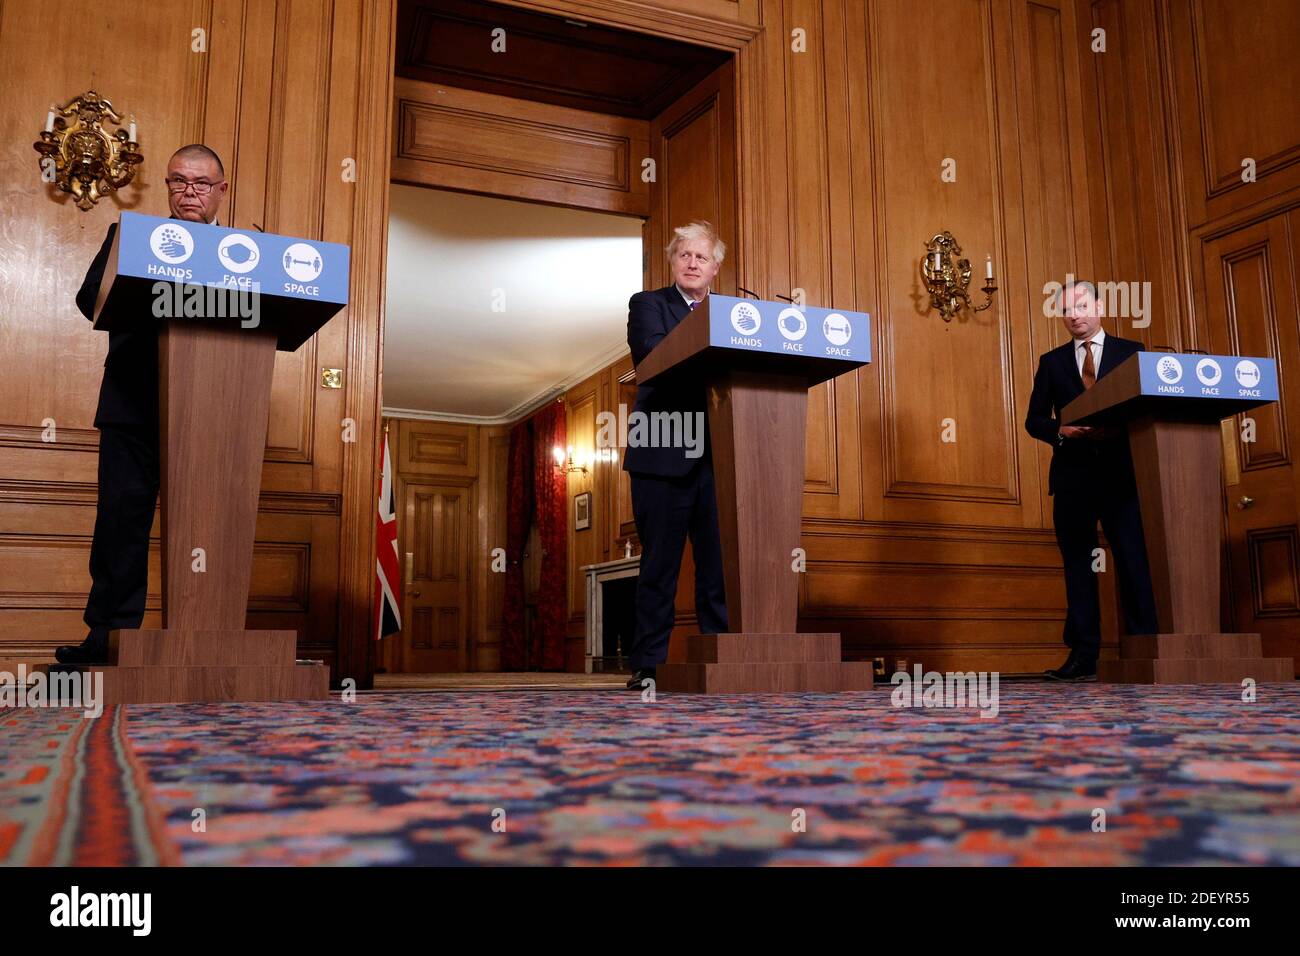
{"x": 936, "y": 261}
{"x": 988, "y": 268}
{"x": 49, "y": 119}
{"x": 130, "y": 134}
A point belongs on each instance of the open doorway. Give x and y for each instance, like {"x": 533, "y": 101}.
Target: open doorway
{"x": 539, "y": 165}
{"x": 494, "y": 309}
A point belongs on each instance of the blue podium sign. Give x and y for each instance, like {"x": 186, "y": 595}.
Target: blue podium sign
{"x": 173, "y": 250}
{"x": 754, "y": 325}
{"x": 173, "y": 270}
{"x": 1168, "y": 374}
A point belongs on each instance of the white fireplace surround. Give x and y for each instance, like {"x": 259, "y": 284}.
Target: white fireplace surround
{"x": 597, "y": 576}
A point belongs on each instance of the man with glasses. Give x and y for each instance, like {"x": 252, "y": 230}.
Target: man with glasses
{"x": 127, "y": 419}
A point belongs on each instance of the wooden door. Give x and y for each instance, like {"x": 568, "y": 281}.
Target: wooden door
{"x": 1251, "y": 309}
{"x": 693, "y": 145}
{"x": 436, "y": 531}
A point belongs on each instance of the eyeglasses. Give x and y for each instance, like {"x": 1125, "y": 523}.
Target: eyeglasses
{"x": 201, "y": 188}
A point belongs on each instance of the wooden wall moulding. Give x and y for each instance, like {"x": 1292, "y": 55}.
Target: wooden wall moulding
{"x": 1235, "y": 73}
{"x": 1275, "y": 570}
{"x": 717, "y": 23}
{"x": 480, "y": 142}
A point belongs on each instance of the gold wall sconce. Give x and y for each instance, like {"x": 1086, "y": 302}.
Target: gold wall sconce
{"x": 565, "y": 464}
{"x": 947, "y": 277}
{"x": 80, "y": 156}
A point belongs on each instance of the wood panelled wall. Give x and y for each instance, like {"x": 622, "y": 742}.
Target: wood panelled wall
{"x": 1190, "y": 97}
{"x": 287, "y": 92}
{"x": 1123, "y": 166}
{"x": 940, "y": 552}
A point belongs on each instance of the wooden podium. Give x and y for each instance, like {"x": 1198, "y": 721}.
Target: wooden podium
{"x": 757, "y": 414}
{"x": 1173, "y": 419}
{"x": 214, "y": 393}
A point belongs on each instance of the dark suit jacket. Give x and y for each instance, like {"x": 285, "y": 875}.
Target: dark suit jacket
{"x": 128, "y": 395}
{"x": 1079, "y": 464}
{"x": 650, "y": 317}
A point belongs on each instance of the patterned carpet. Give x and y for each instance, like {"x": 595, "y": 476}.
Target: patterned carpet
{"x": 73, "y": 794}
{"x": 1185, "y": 776}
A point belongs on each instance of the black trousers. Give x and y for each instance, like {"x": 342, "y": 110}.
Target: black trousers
{"x": 1076, "y": 515}
{"x": 119, "y": 551}
{"x": 667, "y": 512}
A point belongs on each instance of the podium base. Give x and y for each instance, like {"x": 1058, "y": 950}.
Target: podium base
{"x": 1194, "y": 659}
{"x": 763, "y": 664}
{"x": 184, "y": 667}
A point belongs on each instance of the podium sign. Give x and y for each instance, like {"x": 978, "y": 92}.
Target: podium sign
{"x": 1208, "y": 376}
{"x": 303, "y": 282}
{"x": 809, "y": 345}
{"x": 755, "y": 325}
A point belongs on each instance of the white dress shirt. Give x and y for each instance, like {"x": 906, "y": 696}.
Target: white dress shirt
{"x": 1098, "y": 343}
{"x": 689, "y": 300}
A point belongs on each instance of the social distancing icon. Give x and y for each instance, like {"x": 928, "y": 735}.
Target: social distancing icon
{"x": 302, "y": 262}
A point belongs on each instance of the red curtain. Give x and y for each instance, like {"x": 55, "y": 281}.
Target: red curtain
{"x": 551, "y": 490}
{"x": 519, "y": 518}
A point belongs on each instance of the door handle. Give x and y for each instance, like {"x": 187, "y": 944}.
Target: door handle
{"x": 1244, "y": 502}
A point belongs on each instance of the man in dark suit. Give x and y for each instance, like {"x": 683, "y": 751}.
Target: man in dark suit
{"x": 127, "y": 419}
{"x": 672, "y": 487}
{"x": 1091, "y": 480}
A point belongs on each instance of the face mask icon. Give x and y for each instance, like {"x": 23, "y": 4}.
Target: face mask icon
{"x": 792, "y": 324}
{"x": 238, "y": 253}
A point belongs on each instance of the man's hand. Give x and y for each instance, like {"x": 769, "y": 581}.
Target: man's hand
{"x": 1076, "y": 431}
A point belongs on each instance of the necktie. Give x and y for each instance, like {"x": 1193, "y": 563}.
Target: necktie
{"x": 693, "y": 305}
{"x": 1089, "y": 368}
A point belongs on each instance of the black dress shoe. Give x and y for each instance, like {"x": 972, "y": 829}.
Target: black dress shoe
{"x": 93, "y": 650}
{"x": 639, "y": 679}
{"x": 1076, "y": 669}
{"x": 1069, "y": 662}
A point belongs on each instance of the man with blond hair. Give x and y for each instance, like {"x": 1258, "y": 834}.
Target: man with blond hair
{"x": 672, "y": 485}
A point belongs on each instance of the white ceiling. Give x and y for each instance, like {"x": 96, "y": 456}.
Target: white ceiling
{"x": 564, "y": 275}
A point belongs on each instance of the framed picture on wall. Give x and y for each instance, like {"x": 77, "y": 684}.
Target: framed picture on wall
{"x": 582, "y": 511}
